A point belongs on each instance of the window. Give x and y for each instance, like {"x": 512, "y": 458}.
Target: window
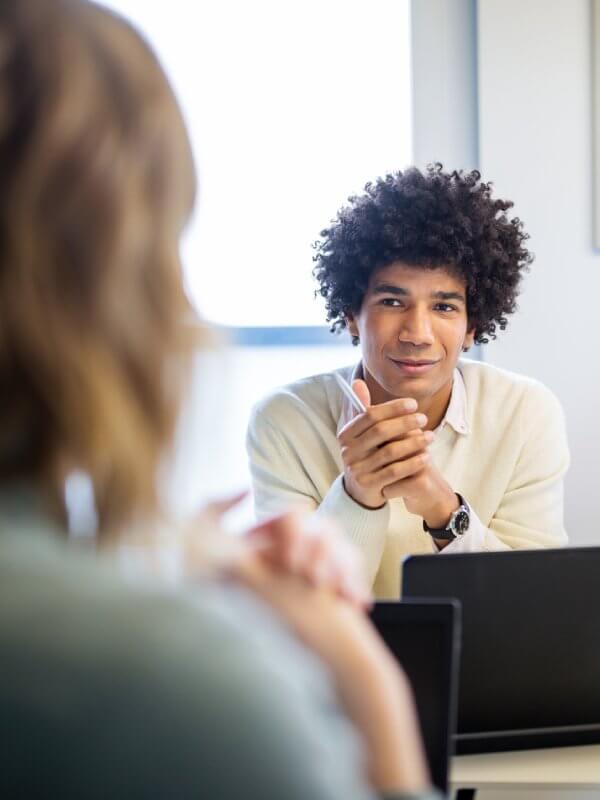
{"x": 291, "y": 108}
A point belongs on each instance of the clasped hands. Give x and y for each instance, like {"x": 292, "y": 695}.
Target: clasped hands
{"x": 314, "y": 579}
{"x": 385, "y": 455}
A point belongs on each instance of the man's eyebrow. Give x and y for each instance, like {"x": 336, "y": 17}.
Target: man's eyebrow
{"x": 459, "y": 296}
{"x": 389, "y": 288}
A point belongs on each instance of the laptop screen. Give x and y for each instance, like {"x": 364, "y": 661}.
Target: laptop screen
{"x": 530, "y": 657}
{"x": 424, "y": 636}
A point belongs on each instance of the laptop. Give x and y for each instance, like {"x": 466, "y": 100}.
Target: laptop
{"x": 530, "y": 656}
{"x": 425, "y": 636}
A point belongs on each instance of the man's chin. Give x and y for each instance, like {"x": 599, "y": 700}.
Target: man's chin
{"x": 417, "y": 388}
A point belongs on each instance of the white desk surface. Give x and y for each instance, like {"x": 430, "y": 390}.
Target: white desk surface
{"x": 557, "y": 768}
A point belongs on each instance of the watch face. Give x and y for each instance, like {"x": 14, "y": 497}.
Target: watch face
{"x": 461, "y": 522}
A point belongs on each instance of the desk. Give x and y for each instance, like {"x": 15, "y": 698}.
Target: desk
{"x": 552, "y": 768}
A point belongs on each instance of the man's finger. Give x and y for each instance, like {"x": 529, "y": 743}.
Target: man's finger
{"x": 374, "y": 414}
{"x": 362, "y": 391}
{"x": 399, "y": 470}
{"x": 395, "y": 450}
{"x": 381, "y": 433}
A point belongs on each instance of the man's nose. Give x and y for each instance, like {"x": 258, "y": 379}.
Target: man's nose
{"x": 416, "y": 328}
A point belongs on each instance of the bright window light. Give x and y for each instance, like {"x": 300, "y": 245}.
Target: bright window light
{"x": 291, "y": 106}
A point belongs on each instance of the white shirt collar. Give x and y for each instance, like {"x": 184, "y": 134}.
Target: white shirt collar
{"x": 455, "y": 416}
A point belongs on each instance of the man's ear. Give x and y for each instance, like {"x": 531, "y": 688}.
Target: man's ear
{"x": 469, "y": 340}
{"x": 351, "y": 323}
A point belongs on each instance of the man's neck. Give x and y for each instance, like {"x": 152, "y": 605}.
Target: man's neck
{"x": 434, "y": 407}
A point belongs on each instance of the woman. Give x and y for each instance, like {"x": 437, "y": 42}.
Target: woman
{"x": 261, "y": 680}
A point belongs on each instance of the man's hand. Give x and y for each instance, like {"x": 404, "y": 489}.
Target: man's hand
{"x": 429, "y": 496}
{"x": 381, "y": 447}
{"x": 385, "y": 455}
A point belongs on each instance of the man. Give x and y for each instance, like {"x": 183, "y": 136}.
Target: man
{"x": 450, "y": 455}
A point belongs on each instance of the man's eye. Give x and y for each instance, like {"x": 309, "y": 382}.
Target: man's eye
{"x": 446, "y": 307}
{"x": 391, "y": 301}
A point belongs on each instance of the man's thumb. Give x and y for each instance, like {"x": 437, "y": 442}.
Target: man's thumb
{"x": 362, "y": 390}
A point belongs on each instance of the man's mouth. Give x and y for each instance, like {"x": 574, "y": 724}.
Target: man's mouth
{"x": 414, "y": 366}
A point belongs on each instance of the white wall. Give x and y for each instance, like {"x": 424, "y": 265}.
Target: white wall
{"x": 444, "y": 72}
{"x": 535, "y": 143}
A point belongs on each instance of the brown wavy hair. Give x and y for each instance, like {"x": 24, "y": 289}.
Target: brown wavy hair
{"x": 96, "y": 185}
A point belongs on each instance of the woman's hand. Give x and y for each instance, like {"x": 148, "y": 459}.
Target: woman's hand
{"x": 307, "y": 583}
{"x": 313, "y": 549}
{"x": 293, "y": 544}
{"x": 312, "y": 577}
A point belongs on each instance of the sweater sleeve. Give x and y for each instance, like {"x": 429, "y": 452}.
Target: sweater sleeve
{"x": 530, "y": 514}
{"x": 364, "y": 527}
{"x": 280, "y": 481}
{"x": 284, "y": 479}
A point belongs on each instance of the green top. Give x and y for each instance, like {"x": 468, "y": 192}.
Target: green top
{"x": 113, "y": 691}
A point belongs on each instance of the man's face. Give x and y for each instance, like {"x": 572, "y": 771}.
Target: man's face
{"x": 412, "y": 327}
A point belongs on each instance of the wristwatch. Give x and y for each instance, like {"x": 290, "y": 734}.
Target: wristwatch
{"x": 458, "y": 524}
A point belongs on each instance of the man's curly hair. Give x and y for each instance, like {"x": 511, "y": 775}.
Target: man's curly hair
{"x": 431, "y": 219}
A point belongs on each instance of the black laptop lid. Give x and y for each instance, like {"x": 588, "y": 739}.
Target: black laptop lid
{"x": 425, "y": 637}
{"x": 530, "y": 659}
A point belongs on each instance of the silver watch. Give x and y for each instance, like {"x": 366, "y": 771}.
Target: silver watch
{"x": 458, "y": 524}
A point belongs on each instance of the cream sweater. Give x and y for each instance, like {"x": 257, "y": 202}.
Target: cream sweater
{"x": 508, "y": 464}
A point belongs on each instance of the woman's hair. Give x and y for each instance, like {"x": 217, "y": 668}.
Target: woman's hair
{"x": 97, "y": 182}
{"x": 429, "y": 220}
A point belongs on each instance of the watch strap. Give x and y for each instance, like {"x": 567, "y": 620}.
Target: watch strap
{"x": 448, "y": 533}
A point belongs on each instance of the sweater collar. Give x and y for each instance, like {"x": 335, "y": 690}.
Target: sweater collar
{"x": 455, "y": 416}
